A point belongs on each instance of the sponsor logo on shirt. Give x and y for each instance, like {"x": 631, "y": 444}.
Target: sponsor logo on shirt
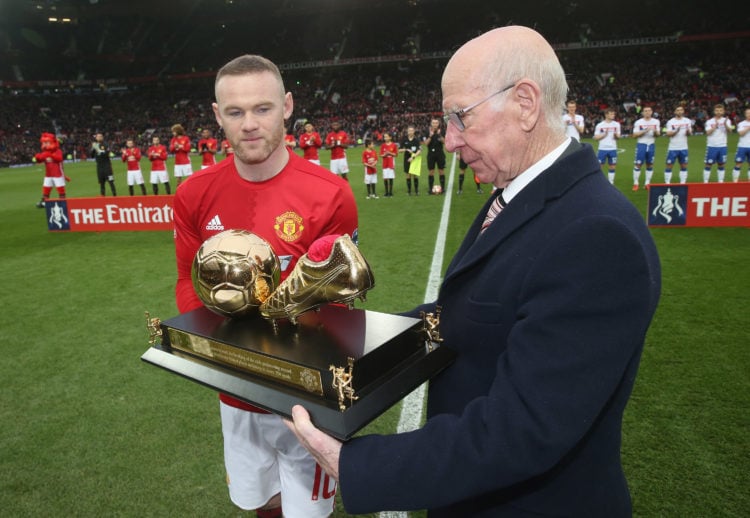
{"x": 215, "y": 224}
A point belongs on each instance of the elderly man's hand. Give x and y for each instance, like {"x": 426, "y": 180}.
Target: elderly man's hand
{"x": 324, "y": 448}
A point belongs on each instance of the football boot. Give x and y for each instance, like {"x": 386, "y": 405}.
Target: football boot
{"x": 340, "y": 278}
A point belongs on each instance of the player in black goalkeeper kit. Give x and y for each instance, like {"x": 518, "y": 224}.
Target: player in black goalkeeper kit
{"x": 100, "y": 152}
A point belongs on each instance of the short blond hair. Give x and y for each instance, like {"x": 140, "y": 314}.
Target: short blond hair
{"x": 250, "y": 64}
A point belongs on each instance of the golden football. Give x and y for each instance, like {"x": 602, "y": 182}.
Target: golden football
{"x": 234, "y": 272}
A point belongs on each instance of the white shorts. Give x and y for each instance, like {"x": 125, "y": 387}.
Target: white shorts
{"x": 316, "y": 162}
{"x": 183, "y": 170}
{"x": 371, "y": 179}
{"x": 389, "y": 174}
{"x": 159, "y": 176}
{"x": 135, "y": 177}
{"x": 339, "y": 166}
{"x": 263, "y": 457}
{"x": 54, "y": 181}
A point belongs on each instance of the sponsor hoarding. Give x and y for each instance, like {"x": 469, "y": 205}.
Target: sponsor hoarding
{"x": 108, "y": 214}
{"x": 699, "y": 205}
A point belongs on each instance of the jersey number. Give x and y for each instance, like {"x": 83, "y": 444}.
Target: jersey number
{"x": 323, "y": 486}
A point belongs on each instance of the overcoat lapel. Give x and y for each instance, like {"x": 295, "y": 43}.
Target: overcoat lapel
{"x": 576, "y": 162}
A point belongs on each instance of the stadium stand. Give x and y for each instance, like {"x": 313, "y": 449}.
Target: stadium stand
{"x": 132, "y": 72}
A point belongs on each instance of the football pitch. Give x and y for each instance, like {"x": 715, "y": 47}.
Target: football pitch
{"x": 90, "y": 430}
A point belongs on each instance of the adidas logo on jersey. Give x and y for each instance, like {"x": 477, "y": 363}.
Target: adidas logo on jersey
{"x": 215, "y": 224}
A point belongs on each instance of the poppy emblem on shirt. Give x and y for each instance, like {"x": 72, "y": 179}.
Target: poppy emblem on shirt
{"x": 289, "y": 226}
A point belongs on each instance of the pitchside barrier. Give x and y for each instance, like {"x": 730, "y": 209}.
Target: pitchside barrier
{"x": 108, "y": 214}
{"x": 699, "y": 205}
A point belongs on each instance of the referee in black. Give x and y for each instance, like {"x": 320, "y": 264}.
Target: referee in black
{"x": 435, "y": 154}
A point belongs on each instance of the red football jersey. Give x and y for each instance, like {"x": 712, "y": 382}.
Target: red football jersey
{"x": 227, "y": 147}
{"x": 52, "y": 162}
{"x": 158, "y": 154}
{"x": 132, "y": 157}
{"x": 310, "y": 143}
{"x": 291, "y": 210}
{"x": 370, "y": 159}
{"x": 389, "y": 159}
{"x": 209, "y": 152}
{"x": 337, "y": 142}
{"x": 180, "y": 146}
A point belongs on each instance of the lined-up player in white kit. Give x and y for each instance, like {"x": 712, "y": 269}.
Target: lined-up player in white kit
{"x": 645, "y": 129}
{"x": 677, "y": 129}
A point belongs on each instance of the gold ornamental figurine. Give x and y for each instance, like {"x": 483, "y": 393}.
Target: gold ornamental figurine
{"x": 153, "y": 325}
{"x": 342, "y": 382}
{"x": 431, "y": 328}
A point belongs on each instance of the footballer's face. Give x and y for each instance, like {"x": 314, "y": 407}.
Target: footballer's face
{"x": 387, "y": 137}
{"x": 647, "y": 112}
{"x": 719, "y": 111}
{"x": 251, "y": 108}
{"x": 679, "y": 111}
{"x": 308, "y": 128}
{"x": 747, "y": 114}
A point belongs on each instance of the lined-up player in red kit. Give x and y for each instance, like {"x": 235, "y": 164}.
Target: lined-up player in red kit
{"x": 337, "y": 141}
{"x": 131, "y": 155}
{"x": 157, "y": 153}
{"x": 226, "y": 147}
{"x": 207, "y": 146}
{"x": 310, "y": 142}
{"x": 180, "y": 146}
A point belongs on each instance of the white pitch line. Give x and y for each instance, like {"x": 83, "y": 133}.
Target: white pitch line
{"x": 413, "y": 404}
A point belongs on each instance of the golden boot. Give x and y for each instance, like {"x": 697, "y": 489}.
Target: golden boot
{"x": 342, "y": 277}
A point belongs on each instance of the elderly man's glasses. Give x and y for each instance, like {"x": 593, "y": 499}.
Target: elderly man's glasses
{"x": 456, "y": 117}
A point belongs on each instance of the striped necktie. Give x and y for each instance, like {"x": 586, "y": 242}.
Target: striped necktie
{"x": 497, "y": 206}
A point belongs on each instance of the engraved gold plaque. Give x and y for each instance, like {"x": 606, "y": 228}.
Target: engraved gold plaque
{"x": 248, "y": 361}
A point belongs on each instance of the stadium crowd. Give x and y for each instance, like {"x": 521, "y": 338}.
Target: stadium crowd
{"x": 372, "y": 98}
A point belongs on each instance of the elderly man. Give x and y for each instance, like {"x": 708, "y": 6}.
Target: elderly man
{"x": 546, "y": 302}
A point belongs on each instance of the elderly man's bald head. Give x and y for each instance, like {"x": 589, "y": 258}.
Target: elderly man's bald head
{"x": 508, "y": 54}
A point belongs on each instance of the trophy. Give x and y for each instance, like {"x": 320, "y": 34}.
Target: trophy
{"x": 300, "y": 341}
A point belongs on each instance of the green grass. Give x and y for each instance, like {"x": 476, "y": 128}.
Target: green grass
{"x": 90, "y": 430}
